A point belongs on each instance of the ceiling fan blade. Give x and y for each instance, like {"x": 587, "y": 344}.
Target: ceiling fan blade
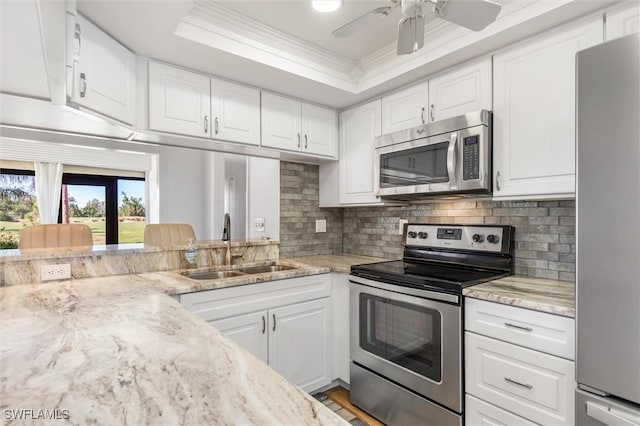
{"x": 410, "y": 34}
{"x": 366, "y": 20}
{"x": 472, "y": 14}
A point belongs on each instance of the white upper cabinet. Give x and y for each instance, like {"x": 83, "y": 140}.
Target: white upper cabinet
{"x": 461, "y": 90}
{"x": 295, "y": 126}
{"x": 179, "y": 101}
{"x": 534, "y": 113}
{"x": 319, "y": 130}
{"x": 623, "y": 20}
{"x": 105, "y": 79}
{"x": 281, "y": 122}
{"x": 235, "y": 112}
{"x": 405, "y": 109}
{"x": 358, "y": 128}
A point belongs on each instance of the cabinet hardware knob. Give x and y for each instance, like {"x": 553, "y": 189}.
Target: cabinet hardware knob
{"x": 422, "y": 115}
{"x": 206, "y": 123}
{"x": 274, "y": 322}
{"x": 215, "y": 125}
{"x": 498, "y": 180}
{"x": 431, "y": 113}
{"x": 298, "y": 140}
{"x": 264, "y": 324}
{"x": 306, "y": 141}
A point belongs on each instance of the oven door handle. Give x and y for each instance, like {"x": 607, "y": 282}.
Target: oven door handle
{"x": 427, "y": 294}
{"x": 452, "y": 157}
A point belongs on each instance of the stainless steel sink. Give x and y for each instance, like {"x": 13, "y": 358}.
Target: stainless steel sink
{"x": 266, "y": 268}
{"x": 212, "y": 275}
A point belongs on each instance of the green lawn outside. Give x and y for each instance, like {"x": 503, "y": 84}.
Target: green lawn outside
{"x": 129, "y": 232}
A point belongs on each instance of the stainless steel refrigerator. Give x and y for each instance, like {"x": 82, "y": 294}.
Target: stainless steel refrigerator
{"x": 608, "y": 234}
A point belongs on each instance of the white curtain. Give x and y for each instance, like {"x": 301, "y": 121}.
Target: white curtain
{"x": 48, "y": 185}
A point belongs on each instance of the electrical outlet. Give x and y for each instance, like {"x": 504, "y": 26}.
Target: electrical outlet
{"x": 259, "y": 224}
{"x": 321, "y": 225}
{"x": 401, "y": 224}
{"x": 61, "y": 271}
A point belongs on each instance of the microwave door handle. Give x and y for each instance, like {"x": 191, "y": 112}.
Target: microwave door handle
{"x": 451, "y": 158}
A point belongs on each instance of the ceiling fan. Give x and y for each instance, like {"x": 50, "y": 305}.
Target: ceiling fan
{"x": 472, "y": 14}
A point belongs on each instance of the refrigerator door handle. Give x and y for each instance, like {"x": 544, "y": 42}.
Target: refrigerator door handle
{"x": 611, "y": 416}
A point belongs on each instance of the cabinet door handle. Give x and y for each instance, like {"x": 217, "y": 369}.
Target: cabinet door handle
{"x": 515, "y": 382}
{"x": 518, "y": 327}
{"x": 77, "y": 34}
{"x": 264, "y": 325}
{"x": 498, "y": 180}
{"x": 206, "y": 123}
{"x": 431, "y": 114}
{"x": 298, "y": 140}
{"x": 422, "y": 115}
{"x": 215, "y": 125}
{"x": 306, "y": 141}
{"x": 274, "y": 322}
{"x": 83, "y": 85}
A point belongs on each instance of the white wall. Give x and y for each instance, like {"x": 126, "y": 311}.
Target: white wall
{"x": 264, "y": 196}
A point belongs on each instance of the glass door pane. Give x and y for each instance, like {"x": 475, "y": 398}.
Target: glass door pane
{"x": 86, "y": 204}
{"x": 417, "y": 166}
{"x": 131, "y": 211}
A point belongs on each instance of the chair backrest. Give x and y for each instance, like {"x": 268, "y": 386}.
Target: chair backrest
{"x": 162, "y": 234}
{"x": 56, "y": 235}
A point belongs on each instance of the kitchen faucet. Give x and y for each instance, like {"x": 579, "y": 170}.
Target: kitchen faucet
{"x": 226, "y": 236}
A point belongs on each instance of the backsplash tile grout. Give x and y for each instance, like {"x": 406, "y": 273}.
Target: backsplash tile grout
{"x": 544, "y": 238}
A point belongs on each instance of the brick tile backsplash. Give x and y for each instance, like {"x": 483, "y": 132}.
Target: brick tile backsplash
{"x": 544, "y": 238}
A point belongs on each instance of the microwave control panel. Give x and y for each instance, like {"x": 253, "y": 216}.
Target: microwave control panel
{"x": 471, "y": 157}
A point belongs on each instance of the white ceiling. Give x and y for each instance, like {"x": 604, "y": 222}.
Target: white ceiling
{"x": 299, "y": 19}
{"x": 286, "y": 47}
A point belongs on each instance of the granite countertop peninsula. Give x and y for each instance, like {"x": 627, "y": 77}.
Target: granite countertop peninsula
{"x": 538, "y": 294}
{"x": 337, "y": 262}
{"x": 118, "y": 350}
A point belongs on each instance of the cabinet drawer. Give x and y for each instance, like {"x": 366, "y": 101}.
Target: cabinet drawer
{"x": 548, "y": 333}
{"x": 480, "y": 413}
{"x": 212, "y": 305}
{"x": 536, "y": 386}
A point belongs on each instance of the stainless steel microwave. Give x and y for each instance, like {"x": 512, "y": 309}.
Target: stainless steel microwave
{"x": 451, "y": 156}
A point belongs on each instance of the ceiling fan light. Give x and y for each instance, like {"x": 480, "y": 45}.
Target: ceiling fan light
{"x": 326, "y": 6}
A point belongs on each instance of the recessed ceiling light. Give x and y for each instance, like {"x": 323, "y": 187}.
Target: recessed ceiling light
{"x": 326, "y": 6}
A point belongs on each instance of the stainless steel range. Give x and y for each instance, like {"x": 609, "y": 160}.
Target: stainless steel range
{"x": 407, "y": 321}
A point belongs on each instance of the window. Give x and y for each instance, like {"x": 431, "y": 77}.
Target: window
{"x": 112, "y": 206}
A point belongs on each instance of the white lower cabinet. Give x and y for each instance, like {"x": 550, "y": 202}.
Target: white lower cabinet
{"x": 507, "y": 383}
{"x": 285, "y": 323}
{"x": 480, "y": 413}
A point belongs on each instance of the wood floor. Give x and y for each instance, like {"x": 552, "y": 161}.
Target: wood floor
{"x": 340, "y": 396}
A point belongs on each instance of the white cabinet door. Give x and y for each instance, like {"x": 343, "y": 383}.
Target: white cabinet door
{"x": 358, "y": 128}
{"x": 106, "y": 77}
{"x": 235, "y": 111}
{"x": 319, "y": 130}
{"x": 534, "y": 114}
{"x": 299, "y": 346}
{"x": 249, "y": 331}
{"x": 623, "y": 20}
{"x": 460, "y": 91}
{"x": 179, "y": 101}
{"x": 480, "y": 413}
{"x": 281, "y": 122}
{"x": 405, "y": 109}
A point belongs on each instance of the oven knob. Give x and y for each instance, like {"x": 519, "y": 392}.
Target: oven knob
{"x": 478, "y": 238}
{"x": 492, "y": 238}
{"x": 422, "y": 235}
{"x": 412, "y": 234}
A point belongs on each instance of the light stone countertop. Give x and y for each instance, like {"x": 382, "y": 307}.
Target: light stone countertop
{"x": 538, "y": 294}
{"x": 118, "y": 350}
{"x": 337, "y": 262}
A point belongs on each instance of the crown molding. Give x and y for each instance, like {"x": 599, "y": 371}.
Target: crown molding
{"x": 445, "y": 43}
{"x": 219, "y": 27}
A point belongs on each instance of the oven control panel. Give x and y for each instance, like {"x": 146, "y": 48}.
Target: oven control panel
{"x": 481, "y": 238}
